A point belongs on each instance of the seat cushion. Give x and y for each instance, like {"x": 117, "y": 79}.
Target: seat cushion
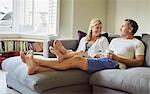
{"x": 133, "y": 80}
{"x": 45, "y": 80}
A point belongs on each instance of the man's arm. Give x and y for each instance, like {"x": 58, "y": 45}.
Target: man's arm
{"x": 137, "y": 61}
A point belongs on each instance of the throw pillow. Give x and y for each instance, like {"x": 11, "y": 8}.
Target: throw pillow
{"x": 80, "y": 35}
{"x": 6, "y": 55}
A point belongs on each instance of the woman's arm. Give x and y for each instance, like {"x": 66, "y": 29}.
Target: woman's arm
{"x": 104, "y": 46}
{"x": 81, "y": 45}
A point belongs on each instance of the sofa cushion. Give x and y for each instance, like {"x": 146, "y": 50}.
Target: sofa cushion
{"x": 5, "y": 55}
{"x": 146, "y": 41}
{"x": 132, "y": 80}
{"x": 46, "y": 80}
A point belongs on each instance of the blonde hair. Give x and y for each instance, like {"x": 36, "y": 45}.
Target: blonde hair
{"x": 93, "y": 22}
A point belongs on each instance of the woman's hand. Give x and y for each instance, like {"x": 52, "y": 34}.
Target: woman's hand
{"x": 109, "y": 55}
{"x": 98, "y": 55}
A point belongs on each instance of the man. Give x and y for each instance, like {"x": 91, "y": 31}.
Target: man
{"x": 127, "y": 50}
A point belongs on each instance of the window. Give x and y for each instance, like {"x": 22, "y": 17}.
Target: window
{"x": 6, "y": 9}
{"x": 31, "y": 15}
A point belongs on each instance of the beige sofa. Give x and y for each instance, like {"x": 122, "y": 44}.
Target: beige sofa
{"x": 135, "y": 80}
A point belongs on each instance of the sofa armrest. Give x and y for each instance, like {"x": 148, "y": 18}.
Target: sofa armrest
{"x": 68, "y": 44}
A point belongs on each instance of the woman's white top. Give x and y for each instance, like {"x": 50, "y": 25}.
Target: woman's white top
{"x": 99, "y": 46}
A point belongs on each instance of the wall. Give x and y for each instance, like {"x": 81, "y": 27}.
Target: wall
{"x": 118, "y": 10}
{"x": 148, "y": 16}
{"x": 85, "y": 10}
{"x": 76, "y": 14}
{"x": 66, "y": 19}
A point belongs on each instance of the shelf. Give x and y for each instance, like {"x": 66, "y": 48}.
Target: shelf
{"x": 15, "y": 39}
{"x": 14, "y": 44}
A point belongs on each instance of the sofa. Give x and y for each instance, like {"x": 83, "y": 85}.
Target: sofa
{"x": 134, "y": 80}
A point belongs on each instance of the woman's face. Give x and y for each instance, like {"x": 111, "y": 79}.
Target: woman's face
{"x": 96, "y": 30}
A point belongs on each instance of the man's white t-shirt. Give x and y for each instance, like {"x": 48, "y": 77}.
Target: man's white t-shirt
{"x": 127, "y": 47}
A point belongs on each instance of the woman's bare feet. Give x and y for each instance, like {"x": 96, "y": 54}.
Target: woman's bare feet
{"x": 59, "y": 46}
{"x": 28, "y": 59}
{"x": 59, "y": 55}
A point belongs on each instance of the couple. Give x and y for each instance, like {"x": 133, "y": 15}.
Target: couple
{"x": 127, "y": 50}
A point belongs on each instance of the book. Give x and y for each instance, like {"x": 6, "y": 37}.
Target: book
{"x": 37, "y": 47}
{"x": 1, "y": 47}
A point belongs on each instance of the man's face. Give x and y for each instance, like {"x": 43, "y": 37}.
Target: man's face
{"x": 125, "y": 29}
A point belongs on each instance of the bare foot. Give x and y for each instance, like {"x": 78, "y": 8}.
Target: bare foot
{"x": 22, "y": 55}
{"x": 59, "y": 55}
{"x": 59, "y": 46}
{"x": 32, "y": 69}
{"x": 28, "y": 59}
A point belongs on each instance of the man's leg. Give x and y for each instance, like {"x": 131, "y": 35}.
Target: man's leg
{"x": 73, "y": 62}
{"x": 40, "y": 69}
{"x": 32, "y": 67}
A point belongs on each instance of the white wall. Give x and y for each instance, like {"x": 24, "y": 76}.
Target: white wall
{"x": 66, "y": 19}
{"x": 148, "y": 18}
{"x": 76, "y": 15}
{"x": 85, "y": 10}
{"x": 138, "y": 10}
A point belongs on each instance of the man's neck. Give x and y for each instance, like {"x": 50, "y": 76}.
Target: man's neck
{"x": 129, "y": 37}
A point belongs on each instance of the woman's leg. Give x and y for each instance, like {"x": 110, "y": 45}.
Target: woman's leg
{"x": 59, "y": 46}
{"x": 73, "y": 53}
{"x": 69, "y": 54}
{"x": 58, "y": 54}
{"x": 73, "y": 62}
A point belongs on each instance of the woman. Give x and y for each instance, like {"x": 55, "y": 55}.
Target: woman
{"x": 92, "y": 45}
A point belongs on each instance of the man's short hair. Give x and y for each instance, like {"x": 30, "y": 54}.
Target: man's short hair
{"x": 133, "y": 24}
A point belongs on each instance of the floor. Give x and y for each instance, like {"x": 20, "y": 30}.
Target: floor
{"x": 3, "y": 86}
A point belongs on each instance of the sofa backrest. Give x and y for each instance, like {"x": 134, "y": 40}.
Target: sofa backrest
{"x": 146, "y": 41}
{"x": 112, "y": 37}
{"x": 117, "y": 36}
{"x": 73, "y": 44}
{"x": 68, "y": 44}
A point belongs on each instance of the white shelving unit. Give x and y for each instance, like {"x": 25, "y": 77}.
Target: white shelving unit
{"x": 20, "y": 42}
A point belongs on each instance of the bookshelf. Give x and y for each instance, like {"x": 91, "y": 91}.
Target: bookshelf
{"x": 15, "y": 44}
{"x": 24, "y": 40}
{"x": 20, "y": 42}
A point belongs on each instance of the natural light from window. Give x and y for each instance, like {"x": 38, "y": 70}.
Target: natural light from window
{"x": 6, "y": 13}
{"x": 29, "y": 16}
